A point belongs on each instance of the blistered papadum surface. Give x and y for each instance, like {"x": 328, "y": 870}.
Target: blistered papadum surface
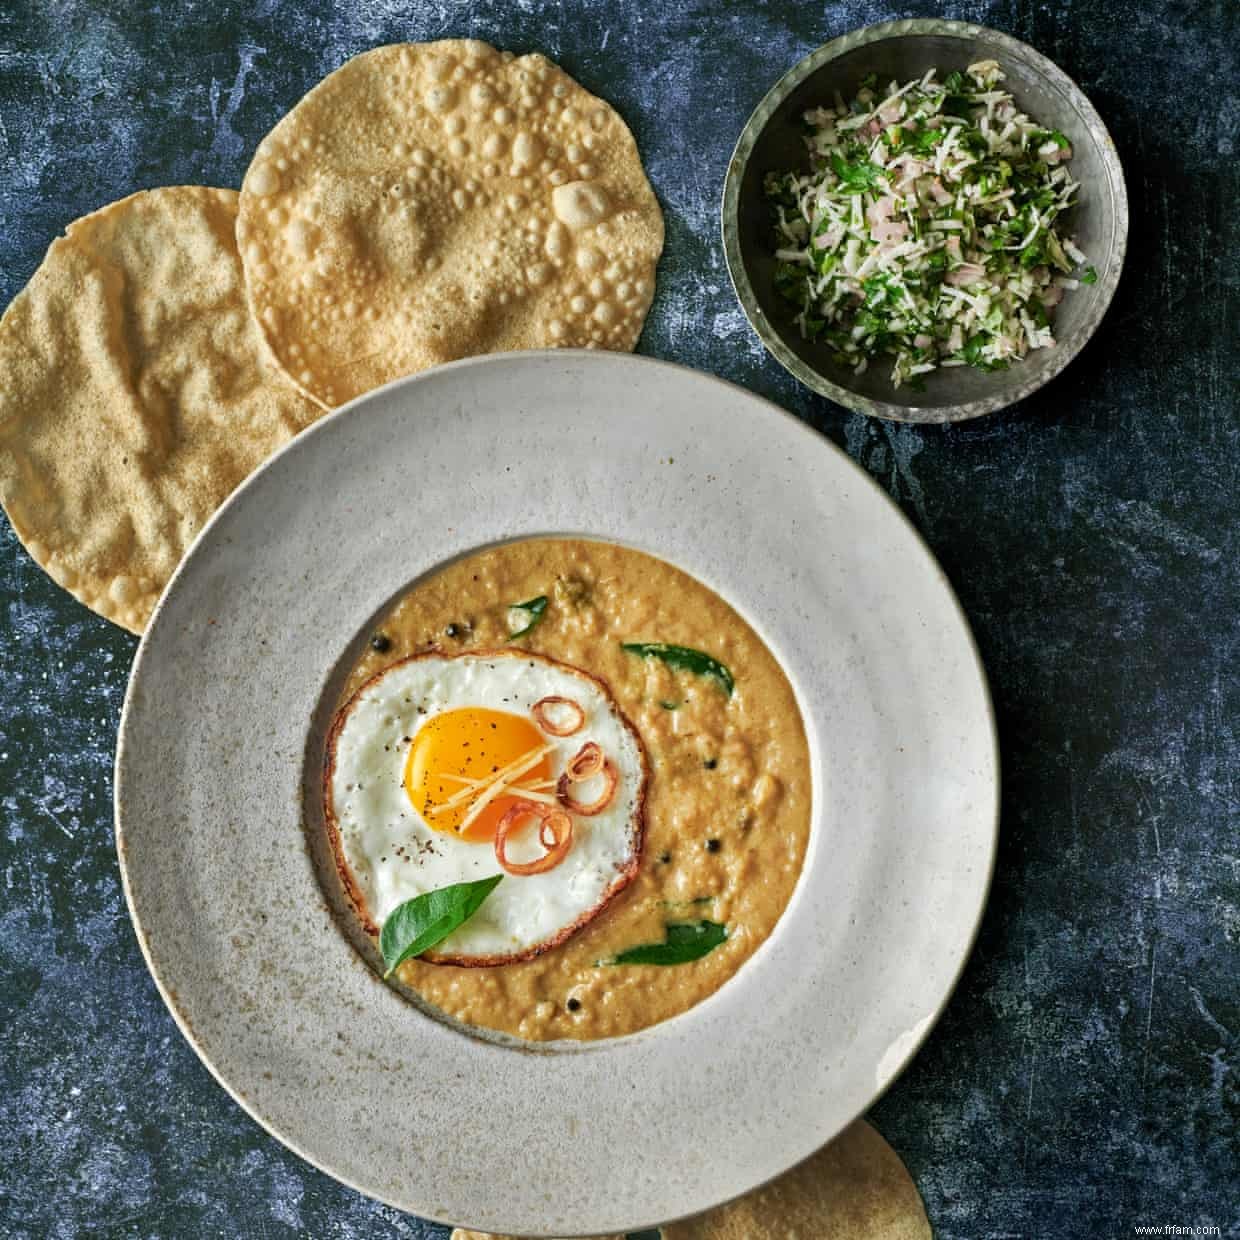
{"x": 135, "y": 395}
{"x": 432, "y": 201}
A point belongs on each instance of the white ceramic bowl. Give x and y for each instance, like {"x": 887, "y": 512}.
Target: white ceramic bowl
{"x": 223, "y": 724}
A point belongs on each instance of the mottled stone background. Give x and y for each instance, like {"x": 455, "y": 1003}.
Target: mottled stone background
{"x": 1084, "y": 1079}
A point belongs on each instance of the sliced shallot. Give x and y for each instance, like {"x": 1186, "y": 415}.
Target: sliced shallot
{"x": 585, "y": 763}
{"x": 587, "y": 809}
{"x": 548, "y": 725}
{"x": 552, "y": 821}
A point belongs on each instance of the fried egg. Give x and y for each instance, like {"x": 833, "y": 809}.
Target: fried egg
{"x": 411, "y": 803}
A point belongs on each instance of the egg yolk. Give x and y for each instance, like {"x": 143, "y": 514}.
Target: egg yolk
{"x": 469, "y": 743}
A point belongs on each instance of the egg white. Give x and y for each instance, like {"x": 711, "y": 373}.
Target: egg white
{"x": 373, "y": 816}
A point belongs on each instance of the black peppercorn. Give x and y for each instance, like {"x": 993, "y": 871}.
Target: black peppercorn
{"x": 574, "y": 1005}
{"x": 452, "y": 630}
{"x": 381, "y": 642}
{"x": 711, "y": 763}
{"x": 712, "y": 845}
{"x": 665, "y": 857}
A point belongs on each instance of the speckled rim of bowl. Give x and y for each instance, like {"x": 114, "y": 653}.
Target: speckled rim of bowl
{"x": 815, "y": 380}
{"x": 210, "y": 761}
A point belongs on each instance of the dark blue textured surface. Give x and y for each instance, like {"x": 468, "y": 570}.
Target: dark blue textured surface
{"x": 1084, "y": 1078}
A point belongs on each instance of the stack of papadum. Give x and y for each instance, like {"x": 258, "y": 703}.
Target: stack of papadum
{"x": 425, "y": 202}
{"x": 855, "y": 1188}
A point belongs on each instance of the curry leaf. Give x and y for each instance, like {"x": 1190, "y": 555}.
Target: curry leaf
{"x": 531, "y": 611}
{"x": 418, "y": 924}
{"x": 685, "y": 941}
{"x": 683, "y": 658}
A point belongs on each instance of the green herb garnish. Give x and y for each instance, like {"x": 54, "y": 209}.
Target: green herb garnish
{"x": 1052, "y": 135}
{"x": 529, "y": 614}
{"x": 1090, "y": 276}
{"x": 924, "y": 141}
{"x": 418, "y": 924}
{"x": 857, "y": 176}
{"x": 686, "y": 941}
{"x": 790, "y": 281}
{"x": 972, "y": 354}
{"x": 780, "y": 188}
{"x": 684, "y": 658}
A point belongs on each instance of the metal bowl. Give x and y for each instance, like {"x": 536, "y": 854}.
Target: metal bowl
{"x": 772, "y": 141}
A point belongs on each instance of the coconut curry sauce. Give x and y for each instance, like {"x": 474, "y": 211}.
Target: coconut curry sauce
{"x": 728, "y": 806}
